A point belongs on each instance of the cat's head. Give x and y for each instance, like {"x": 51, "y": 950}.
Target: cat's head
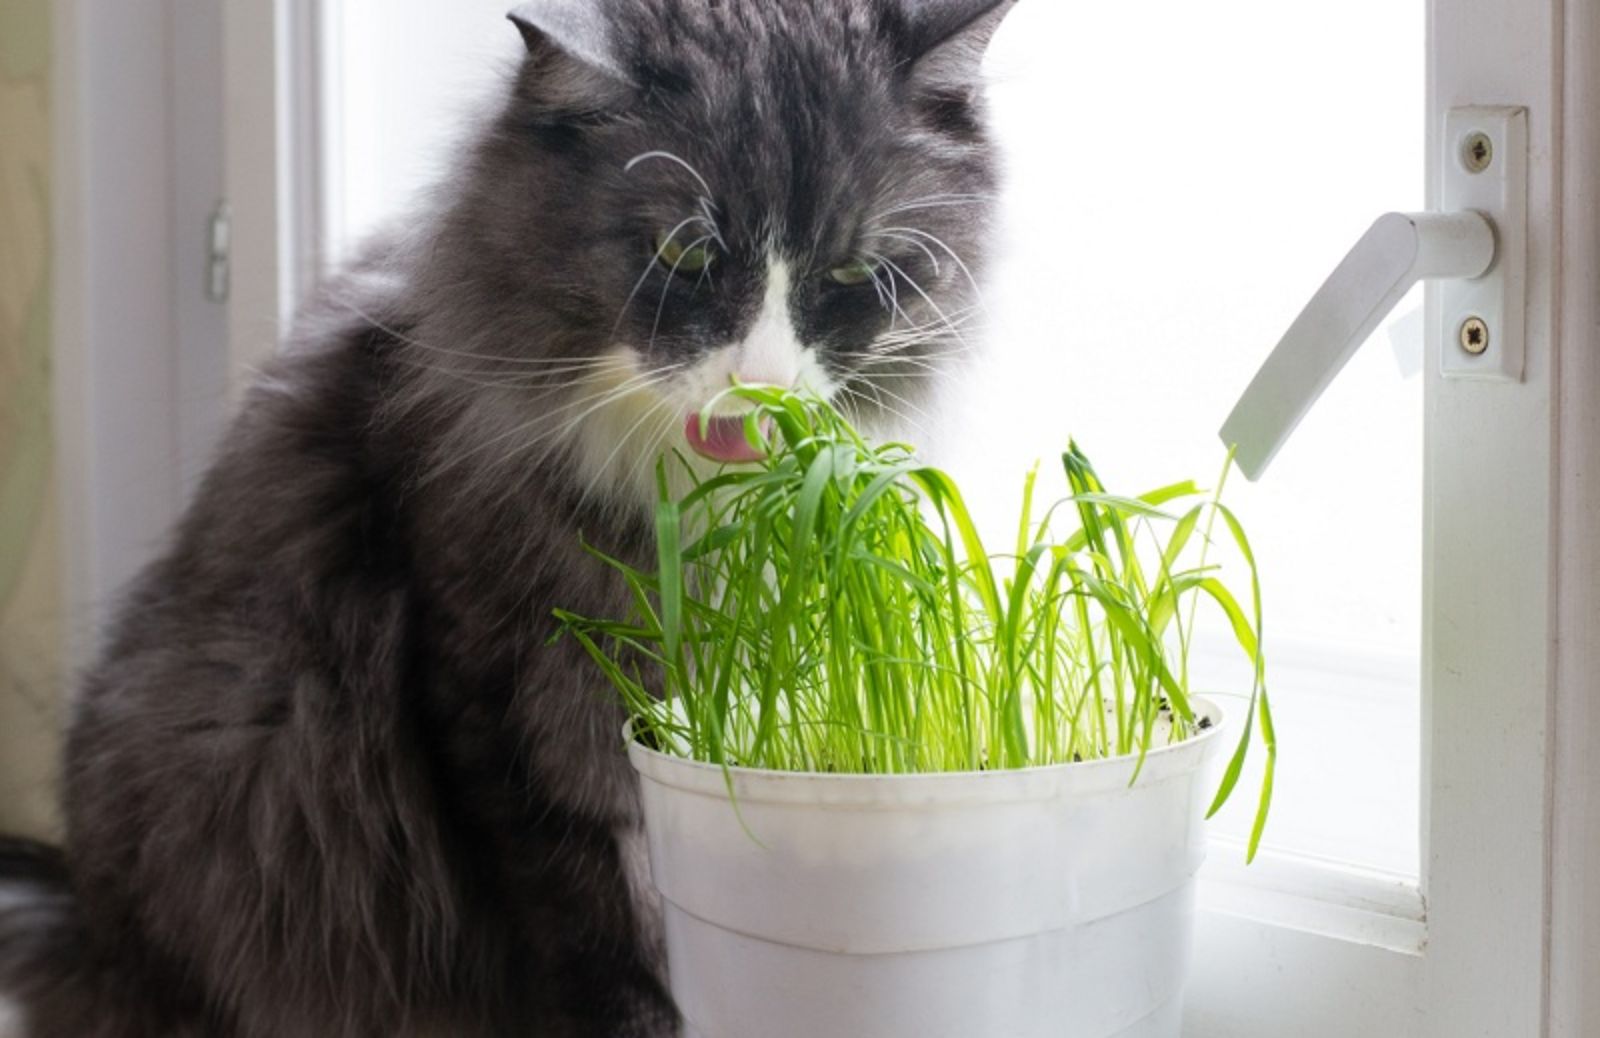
{"x": 685, "y": 192}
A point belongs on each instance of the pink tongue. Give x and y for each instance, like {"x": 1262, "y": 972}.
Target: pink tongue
{"x": 723, "y": 439}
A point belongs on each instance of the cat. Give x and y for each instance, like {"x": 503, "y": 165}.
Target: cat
{"x": 331, "y": 775}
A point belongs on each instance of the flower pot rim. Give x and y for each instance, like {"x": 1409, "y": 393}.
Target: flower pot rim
{"x": 1106, "y": 772}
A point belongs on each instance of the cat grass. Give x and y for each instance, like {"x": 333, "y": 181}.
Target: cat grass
{"x": 833, "y": 608}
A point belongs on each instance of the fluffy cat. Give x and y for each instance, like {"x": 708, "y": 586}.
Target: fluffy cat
{"x": 331, "y": 777}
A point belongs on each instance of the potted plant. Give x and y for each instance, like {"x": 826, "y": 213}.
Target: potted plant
{"x": 895, "y": 785}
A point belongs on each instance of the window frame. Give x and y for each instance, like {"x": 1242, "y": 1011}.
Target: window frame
{"x": 1572, "y": 907}
{"x": 1509, "y": 934}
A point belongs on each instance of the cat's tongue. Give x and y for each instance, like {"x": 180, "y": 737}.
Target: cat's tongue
{"x": 721, "y": 440}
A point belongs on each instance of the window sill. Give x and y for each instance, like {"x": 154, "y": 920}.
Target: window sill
{"x": 1313, "y": 896}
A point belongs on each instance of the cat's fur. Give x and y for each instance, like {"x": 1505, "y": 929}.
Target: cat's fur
{"x": 331, "y": 777}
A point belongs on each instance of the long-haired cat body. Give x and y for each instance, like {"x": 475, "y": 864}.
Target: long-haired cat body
{"x": 331, "y": 776}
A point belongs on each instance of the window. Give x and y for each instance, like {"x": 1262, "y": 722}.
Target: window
{"x": 1215, "y": 170}
{"x": 403, "y": 82}
{"x": 1183, "y": 178}
{"x": 1164, "y": 235}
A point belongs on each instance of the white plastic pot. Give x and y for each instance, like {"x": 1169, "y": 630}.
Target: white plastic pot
{"x": 1051, "y": 901}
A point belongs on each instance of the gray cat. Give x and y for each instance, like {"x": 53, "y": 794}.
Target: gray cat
{"x": 332, "y": 776}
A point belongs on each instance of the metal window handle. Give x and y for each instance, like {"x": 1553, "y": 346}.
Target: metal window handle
{"x": 1479, "y": 245}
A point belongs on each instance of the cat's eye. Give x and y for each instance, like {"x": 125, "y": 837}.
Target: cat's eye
{"x": 681, "y": 259}
{"x": 856, "y": 272}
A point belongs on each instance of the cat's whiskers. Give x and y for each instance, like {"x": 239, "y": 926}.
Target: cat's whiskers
{"x": 447, "y": 464}
{"x": 708, "y": 217}
{"x": 654, "y": 441}
{"x": 560, "y": 437}
{"x": 650, "y": 266}
{"x": 492, "y": 358}
{"x": 904, "y": 365}
{"x": 916, "y": 287}
{"x": 885, "y": 296}
{"x": 706, "y": 201}
{"x": 894, "y": 289}
{"x": 552, "y": 378}
{"x": 877, "y": 287}
{"x": 879, "y": 387}
{"x": 671, "y": 157}
{"x": 590, "y": 403}
{"x": 929, "y": 329}
{"x": 535, "y": 365}
{"x": 594, "y": 401}
{"x": 879, "y": 403}
{"x": 892, "y": 364}
{"x": 907, "y": 239}
{"x": 916, "y": 334}
{"x": 910, "y": 348}
{"x": 666, "y": 285}
{"x": 601, "y": 471}
{"x": 847, "y": 404}
{"x": 933, "y": 202}
{"x": 920, "y": 234}
{"x": 539, "y": 386}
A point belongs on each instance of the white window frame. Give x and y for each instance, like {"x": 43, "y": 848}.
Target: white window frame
{"x": 273, "y": 169}
{"x": 1505, "y": 932}
{"x": 1573, "y": 856}
{"x": 1503, "y": 937}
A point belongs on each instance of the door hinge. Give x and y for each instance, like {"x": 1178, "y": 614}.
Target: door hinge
{"x": 219, "y": 231}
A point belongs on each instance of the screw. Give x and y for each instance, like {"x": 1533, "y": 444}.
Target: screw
{"x": 1474, "y": 335}
{"x": 1477, "y": 151}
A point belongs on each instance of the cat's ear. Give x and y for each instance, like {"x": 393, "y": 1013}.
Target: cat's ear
{"x": 576, "y": 28}
{"x": 948, "y": 39}
{"x": 573, "y": 62}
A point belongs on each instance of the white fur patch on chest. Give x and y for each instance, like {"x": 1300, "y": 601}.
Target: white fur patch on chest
{"x": 615, "y": 444}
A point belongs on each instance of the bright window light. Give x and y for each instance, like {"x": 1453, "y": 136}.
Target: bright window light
{"x": 1181, "y": 178}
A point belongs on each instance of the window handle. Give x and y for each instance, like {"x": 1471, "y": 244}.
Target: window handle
{"x": 1476, "y": 247}
{"x": 1399, "y": 250}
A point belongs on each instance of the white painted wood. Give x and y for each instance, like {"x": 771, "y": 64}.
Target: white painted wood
{"x": 1488, "y": 622}
{"x": 1315, "y": 897}
{"x": 302, "y": 69}
{"x": 1510, "y": 561}
{"x": 328, "y": 153}
{"x": 272, "y": 170}
{"x": 200, "y": 362}
{"x": 255, "y": 164}
{"x": 1574, "y": 984}
{"x": 1252, "y": 979}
